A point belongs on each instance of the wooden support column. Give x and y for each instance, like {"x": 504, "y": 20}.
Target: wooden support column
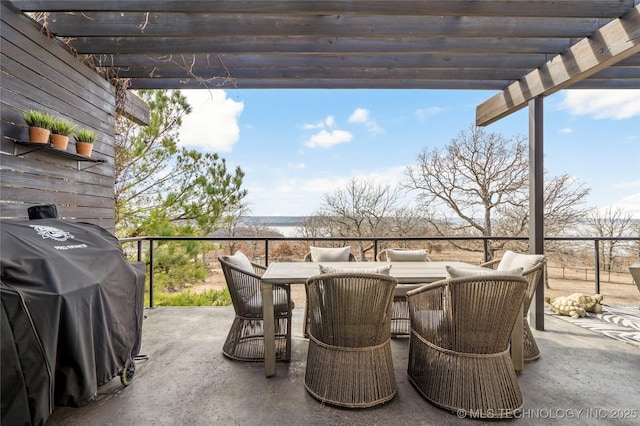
{"x": 536, "y": 201}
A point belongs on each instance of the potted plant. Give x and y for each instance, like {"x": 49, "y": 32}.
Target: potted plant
{"x": 84, "y": 141}
{"x": 39, "y": 125}
{"x": 60, "y": 131}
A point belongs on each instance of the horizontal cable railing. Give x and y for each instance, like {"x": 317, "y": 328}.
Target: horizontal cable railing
{"x": 375, "y": 241}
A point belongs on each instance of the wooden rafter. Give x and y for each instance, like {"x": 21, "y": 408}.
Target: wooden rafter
{"x": 612, "y": 43}
{"x": 519, "y": 48}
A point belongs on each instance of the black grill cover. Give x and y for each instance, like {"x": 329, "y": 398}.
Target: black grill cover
{"x": 72, "y": 309}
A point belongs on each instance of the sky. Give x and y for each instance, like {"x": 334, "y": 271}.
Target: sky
{"x": 297, "y": 145}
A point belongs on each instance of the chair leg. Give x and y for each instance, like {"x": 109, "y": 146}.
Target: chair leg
{"x": 531, "y": 350}
{"x": 305, "y": 318}
{"x": 245, "y": 340}
{"x": 400, "y": 323}
{"x": 289, "y": 321}
{"x": 283, "y": 338}
{"x": 305, "y": 333}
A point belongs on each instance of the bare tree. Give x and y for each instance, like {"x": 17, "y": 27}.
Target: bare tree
{"x": 405, "y": 220}
{"x": 562, "y": 197}
{"x": 315, "y": 226}
{"x": 612, "y": 222}
{"x": 361, "y": 209}
{"x": 233, "y": 224}
{"x": 478, "y": 185}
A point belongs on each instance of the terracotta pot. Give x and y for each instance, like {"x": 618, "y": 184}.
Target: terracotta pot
{"x": 59, "y": 141}
{"x": 84, "y": 148}
{"x": 38, "y": 135}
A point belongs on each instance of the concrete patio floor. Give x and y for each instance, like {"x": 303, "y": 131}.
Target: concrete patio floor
{"x": 581, "y": 378}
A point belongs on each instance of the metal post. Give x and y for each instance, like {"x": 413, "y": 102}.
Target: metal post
{"x": 536, "y": 200}
{"x": 485, "y": 247}
{"x": 139, "y": 250}
{"x": 151, "y": 273}
{"x": 266, "y": 252}
{"x": 597, "y": 251}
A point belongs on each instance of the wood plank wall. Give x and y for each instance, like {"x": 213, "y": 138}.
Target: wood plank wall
{"x": 39, "y": 73}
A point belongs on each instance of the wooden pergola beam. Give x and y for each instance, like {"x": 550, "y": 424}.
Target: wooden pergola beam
{"x": 135, "y": 109}
{"x": 612, "y": 43}
{"x": 306, "y": 83}
{"x": 549, "y": 8}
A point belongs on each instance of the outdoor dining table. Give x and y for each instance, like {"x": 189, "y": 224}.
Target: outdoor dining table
{"x": 404, "y": 272}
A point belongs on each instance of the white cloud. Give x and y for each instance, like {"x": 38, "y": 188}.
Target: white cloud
{"x": 287, "y": 196}
{"x": 423, "y": 113}
{"x": 213, "y": 122}
{"x": 291, "y": 194}
{"x": 361, "y": 115}
{"x": 630, "y": 204}
{"x": 566, "y": 130}
{"x": 391, "y": 176}
{"x": 330, "y": 121}
{"x": 325, "y": 139}
{"x": 327, "y": 122}
{"x": 632, "y": 184}
{"x": 602, "y": 104}
{"x": 320, "y": 186}
{"x": 309, "y": 126}
{"x": 297, "y": 166}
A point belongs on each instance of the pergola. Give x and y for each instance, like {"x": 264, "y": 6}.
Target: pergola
{"x": 522, "y": 49}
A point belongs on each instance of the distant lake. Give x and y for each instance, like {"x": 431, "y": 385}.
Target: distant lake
{"x": 286, "y": 231}
{"x": 286, "y": 225}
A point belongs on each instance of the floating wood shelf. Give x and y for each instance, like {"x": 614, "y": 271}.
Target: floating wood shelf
{"x": 47, "y": 147}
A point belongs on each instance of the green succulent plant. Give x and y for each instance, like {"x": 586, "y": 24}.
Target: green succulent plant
{"x": 62, "y": 127}
{"x": 35, "y": 118}
{"x": 85, "y": 135}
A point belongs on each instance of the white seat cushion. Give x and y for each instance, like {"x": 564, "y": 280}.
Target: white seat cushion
{"x": 462, "y": 272}
{"x": 240, "y": 261}
{"x": 330, "y": 254}
{"x": 406, "y": 255}
{"x": 385, "y": 270}
{"x": 512, "y": 260}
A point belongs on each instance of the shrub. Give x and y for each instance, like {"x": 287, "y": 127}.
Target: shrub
{"x": 188, "y": 298}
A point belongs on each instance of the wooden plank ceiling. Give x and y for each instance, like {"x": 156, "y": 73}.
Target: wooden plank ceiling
{"x": 519, "y": 48}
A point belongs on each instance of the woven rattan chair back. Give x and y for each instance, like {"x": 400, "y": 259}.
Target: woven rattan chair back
{"x": 305, "y": 322}
{"x": 245, "y": 340}
{"x": 460, "y": 332}
{"x": 531, "y": 349}
{"x": 349, "y": 361}
{"x": 400, "y": 325}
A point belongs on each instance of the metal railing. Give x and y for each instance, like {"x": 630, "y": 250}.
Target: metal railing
{"x": 373, "y": 240}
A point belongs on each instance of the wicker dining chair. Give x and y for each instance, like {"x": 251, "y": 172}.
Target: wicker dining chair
{"x": 533, "y": 266}
{"x": 324, "y": 254}
{"x": 349, "y": 361}
{"x": 459, "y": 349}
{"x": 400, "y": 325}
{"x": 245, "y": 340}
